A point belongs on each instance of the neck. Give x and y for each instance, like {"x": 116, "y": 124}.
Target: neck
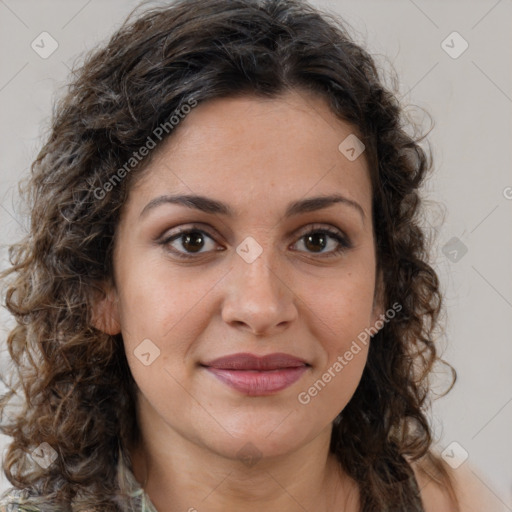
{"x": 178, "y": 474}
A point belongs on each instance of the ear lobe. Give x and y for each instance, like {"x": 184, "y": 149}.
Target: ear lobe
{"x": 105, "y": 310}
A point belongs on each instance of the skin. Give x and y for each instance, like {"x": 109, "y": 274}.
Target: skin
{"x": 257, "y": 156}
{"x": 472, "y": 491}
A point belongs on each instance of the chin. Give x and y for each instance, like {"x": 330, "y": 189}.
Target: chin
{"x": 250, "y": 444}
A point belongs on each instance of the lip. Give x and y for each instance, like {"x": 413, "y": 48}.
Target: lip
{"x": 258, "y": 375}
{"x": 246, "y": 361}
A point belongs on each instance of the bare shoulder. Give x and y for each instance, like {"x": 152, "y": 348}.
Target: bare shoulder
{"x": 469, "y": 489}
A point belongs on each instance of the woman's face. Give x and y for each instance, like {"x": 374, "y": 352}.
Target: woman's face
{"x": 257, "y": 275}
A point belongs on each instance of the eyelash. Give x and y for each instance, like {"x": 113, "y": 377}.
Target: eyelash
{"x": 344, "y": 243}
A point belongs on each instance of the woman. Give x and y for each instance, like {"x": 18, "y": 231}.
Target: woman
{"x": 225, "y": 301}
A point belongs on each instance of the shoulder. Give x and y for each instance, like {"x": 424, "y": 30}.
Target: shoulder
{"x": 15, "y": 500}
{"x": 469, "y": 490}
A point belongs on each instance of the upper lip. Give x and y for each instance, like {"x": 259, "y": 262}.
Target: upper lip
{"x": 245, "y": 361}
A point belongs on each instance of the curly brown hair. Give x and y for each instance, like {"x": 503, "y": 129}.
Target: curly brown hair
{"x": 77, "y": 391}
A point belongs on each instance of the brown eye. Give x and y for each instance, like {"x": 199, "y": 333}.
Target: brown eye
{"x": 193, "y": 241}
{"x": 186, "y": 243}
{"x": 318, "y": 240}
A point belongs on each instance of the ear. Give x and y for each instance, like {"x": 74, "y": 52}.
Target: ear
{"x": 105, "y": 309}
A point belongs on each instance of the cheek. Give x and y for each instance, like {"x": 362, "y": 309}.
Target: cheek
{"x": 342, "y": 307}
{"x": 339, "y": 312}
{"x": 332, "y": 386}
{"x": 156, "y": 296}
{"x": 171, "y": 307}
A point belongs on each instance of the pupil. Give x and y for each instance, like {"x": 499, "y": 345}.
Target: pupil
{"x": 191, "y": 236}
{"x": 321, "y": 236}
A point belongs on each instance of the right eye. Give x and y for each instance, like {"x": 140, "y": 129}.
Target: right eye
{"x": 192, "y": 240}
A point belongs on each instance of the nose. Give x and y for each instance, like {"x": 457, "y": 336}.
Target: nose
{"x": 259, "y": 296}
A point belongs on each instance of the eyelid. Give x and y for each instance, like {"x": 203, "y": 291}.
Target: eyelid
{"x": 344, "y": 242}
{"x": 319, "y": 226}
{"x": 186, "y": 228}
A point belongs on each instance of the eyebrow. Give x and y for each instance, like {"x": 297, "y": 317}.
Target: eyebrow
{"x": 212, "y": 206}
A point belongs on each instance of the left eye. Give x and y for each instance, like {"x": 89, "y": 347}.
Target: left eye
{"x": 194, "y": 239}
{"x": 321, "y": 237}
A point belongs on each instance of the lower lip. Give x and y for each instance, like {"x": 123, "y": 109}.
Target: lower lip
{"x": 259, "y": 383}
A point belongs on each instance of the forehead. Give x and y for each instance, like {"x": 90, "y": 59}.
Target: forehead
{"x": 262, "y": 150}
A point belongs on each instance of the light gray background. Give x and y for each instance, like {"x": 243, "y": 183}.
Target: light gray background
{"x": 470, "y": 99}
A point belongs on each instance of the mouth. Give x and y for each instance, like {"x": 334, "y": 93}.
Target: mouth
{"x": 258, "y": 376}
